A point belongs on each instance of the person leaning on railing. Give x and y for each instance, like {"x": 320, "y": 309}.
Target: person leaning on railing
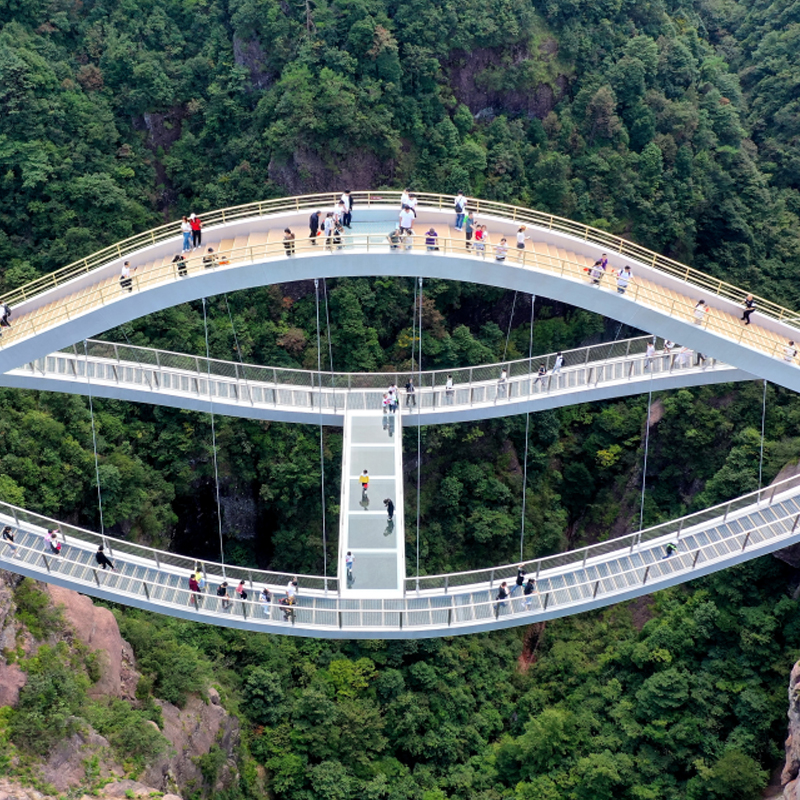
{"x": 210, "y": 258}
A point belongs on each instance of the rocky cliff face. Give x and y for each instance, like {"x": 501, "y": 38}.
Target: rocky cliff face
{"x": 192, "y": 731}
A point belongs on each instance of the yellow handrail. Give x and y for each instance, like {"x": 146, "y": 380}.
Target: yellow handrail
{"x": 517, "y": 214}
{"x": 681, "y": 307}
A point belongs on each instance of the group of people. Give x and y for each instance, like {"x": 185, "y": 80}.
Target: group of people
{"x": 332, "y": 225}
{"x": 524, "y": 583}
{"x": 197, "y": 587}
{"x": 391, "y": 398}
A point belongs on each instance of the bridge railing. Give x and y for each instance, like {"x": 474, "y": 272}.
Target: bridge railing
{"x": 390, "y": 199}
{"x": 262, "y": 386}
{"x": 408, "y": 613}
{"x": 161, "y": 558}
{"x": 569, "y": 268}
{"x": 584, "y": 555}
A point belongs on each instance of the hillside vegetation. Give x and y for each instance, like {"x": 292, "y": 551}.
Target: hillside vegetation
{"x": 673, "y": 123}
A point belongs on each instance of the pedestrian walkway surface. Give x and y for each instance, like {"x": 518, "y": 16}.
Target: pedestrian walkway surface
{"x": 373, "y": 441}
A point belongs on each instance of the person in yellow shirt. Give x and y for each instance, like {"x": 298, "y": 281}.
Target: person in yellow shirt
{"x": 364, "y": 478}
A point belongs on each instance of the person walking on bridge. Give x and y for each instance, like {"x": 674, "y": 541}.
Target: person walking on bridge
{"x": 8, "y": 538}
{"x": 749, "y": 308}
{"x": 347, "y": 201}
{"x": 102, "y": 559}
{"x": 313, "y": 226}
{"x": 411, "y": 392}
{"x": 364, "y": 480}
{"x": 349, "y": 561}
{"x": 389, "y": 508}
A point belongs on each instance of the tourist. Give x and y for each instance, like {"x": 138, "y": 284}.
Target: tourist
{"x": 394, "y": 239}
{"x": 520, "y": 579}
{"x": 291, "y": 590}
{"x": 749, "y": 308}
{"x": 393, "y": 401}
{"x": 789, "y": 352}
{"x": 411, "y": 392}
{"x": 700, "y": 311}
{"x": 559, "y": 363}
{"x": 669, "y": 550}
{"x": 328, "y": 227}
{"x": 222, "y": 593}
{"x": 432, "y": 240}
{"x": 363, "y": 479}
{"x": 412, "y": 203}
{"x": 288, "y": 242}
{"x": 521, "y": 237}
{"x": 265, "y": 598}
{"x": 649, "y": 355}
{"x": 8, "y": 538}
{"x": 623, "y": 279}
{"x": 501, "y": 383}
{"x": 194, "y": 590}
{"x": 602, "y": 262}
{"x": 338, "y": 232}
{"x": 347, "y": 201}
{"x": 469, "y": 229}
{"x": 102, "y": 559}
{"x": 196, "y": 224}
{"x": 481, "y": 240}
{"x": 540, "y": 374}
{"x": 460, "y": 208}
{"x": 241, "y": 592}
{"x": 5, "y": 316}
{"x": 210, "y": 258}
{"x": 501, "y": 251}
{"x": 313, "y": 226}
{"x": 596, "y": 273}
{"x": 125, "y": 280}
{"x": 529, "y": 591}
{"x": 52, "y": 541}
{"x": 404, "y": 198}
{"x": 186, "y": 230}
{"x": 502, "y": 597}
{"x": 406, "y": 219}
{"x": 449, "y": 391}
{"x": 684, "y": 356}
{"x": 389, "y": 507}
{"x": 348, "y": 564}
{"x": 180, "y": 260}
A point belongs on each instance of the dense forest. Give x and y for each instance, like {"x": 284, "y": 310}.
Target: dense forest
{"x": 673, "y": 122}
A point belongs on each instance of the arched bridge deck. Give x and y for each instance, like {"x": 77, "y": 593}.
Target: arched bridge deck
{"x": 139, "y": 374}
{"x": 440, "y": 605}
{"x": 85, "y": 299}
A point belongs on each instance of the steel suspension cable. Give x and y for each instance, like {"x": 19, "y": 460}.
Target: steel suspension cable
{"x": 94, "y": 444}
{"x": 238, "y": 349}
{"x": 510, "y": 322}
{"x": 213, "y": 440}
{"x": 413, "y": 327}
{"x": 646, "y": 447}
{"x": 763, "y": 422}
{"x": 321, "y": 444}
{"x": 419, "y": 427}
{"x": 328, "y": 326}
{"x": 527, "y": 432}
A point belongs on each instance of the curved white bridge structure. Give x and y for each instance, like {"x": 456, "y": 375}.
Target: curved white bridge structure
{"x": 140, "y": 374}
{"x": 439, "y": 605}
{"x": 86, "y": 298}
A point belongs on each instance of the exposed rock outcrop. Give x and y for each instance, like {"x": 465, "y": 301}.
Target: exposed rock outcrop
{"x": 11, "y": 790}
{"x": 96, "y": 627}
{"x": 791, "y": 769}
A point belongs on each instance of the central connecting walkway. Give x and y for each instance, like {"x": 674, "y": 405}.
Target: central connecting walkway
{"x": 373, "y": 450}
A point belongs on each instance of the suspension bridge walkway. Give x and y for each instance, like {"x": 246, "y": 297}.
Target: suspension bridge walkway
{"x": 597, "y": 372}
{"x": 248, "y": 250}
{"x": 428, "y": 606}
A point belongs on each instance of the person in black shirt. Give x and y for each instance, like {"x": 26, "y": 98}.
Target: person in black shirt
{"x": 222, "y": 591}
{"x": 313, "y": 226}
{"x": 749, "y": 308}
{"x": 389, "y": 507}
{"x": 102, "y": 559}
{"x": 529, "y": 591}
{"x": 8, "y": 538}
{"x": 520, "y": 581}
{"x": 502, "y": 596}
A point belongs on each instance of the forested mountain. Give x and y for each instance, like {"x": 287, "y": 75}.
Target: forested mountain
{"x": 675, "y": 124}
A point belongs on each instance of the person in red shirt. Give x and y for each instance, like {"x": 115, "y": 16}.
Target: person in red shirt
{"x": 197, "y": 230}
{"x": 194, "y": 588}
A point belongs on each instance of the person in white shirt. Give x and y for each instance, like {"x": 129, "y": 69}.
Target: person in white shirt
{"x": 501, "y": 383}
{"x": 125, "y": 280}
{"x": 649, "y": 354}
{"x": 789, "y": 352}
{"x": 412, "y": 203}
{"x": 501, "y": 251}
{"x": 448, "y": 389}
{"x": 559, "y": 363}
{"x": 328, "y": 227}
{"x": 347, "y": 202}
{"x": 521, "y": 237}
{"x": 623, "y": 279}
{"x": 349, "y": 561}
{"x": 404, "y": 198}
{"x": 460, "y": 206}
{"x": 406, "y": 219}
{"x": 700, "y": 311}
{"x": 291, "y": 589}
{"x": 186, "y": 230}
